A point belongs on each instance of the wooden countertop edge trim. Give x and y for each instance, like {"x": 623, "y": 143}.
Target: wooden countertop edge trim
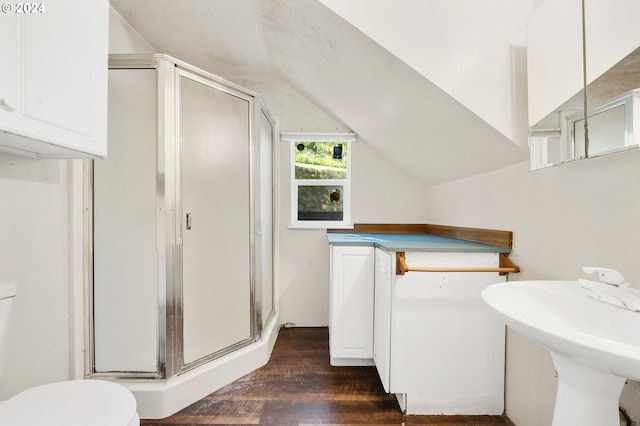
{"x": 491, "y": 237}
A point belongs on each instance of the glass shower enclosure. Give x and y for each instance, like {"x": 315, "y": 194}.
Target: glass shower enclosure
{"x": 181, "y": 225}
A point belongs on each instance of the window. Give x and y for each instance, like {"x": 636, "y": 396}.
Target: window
{"x": 320, "y": 179}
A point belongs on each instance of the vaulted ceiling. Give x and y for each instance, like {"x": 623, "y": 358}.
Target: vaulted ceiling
{"x": 397, "y": 111}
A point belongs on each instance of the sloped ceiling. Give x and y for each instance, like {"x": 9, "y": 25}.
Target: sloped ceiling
{"x": 394, "y": 109}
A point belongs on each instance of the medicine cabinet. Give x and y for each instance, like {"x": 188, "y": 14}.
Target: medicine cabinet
{"x": 582, "y": 56}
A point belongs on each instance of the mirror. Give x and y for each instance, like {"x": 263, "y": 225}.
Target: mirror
{"x": 612, "y": 102}
{"x": 571, "y": 45}
{"x": 550, "y": 140}
{"x": 610, "y": 127}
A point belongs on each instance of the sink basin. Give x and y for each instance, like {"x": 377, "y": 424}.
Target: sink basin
{"x": 595, "y": 346}
{"x": 561, "y": 317}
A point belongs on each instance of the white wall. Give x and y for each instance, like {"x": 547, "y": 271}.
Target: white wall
{"x": 563, "y": 218}
{"x": 472, "y": 50}
{"x": 33, "y": 251}
{"x": 382, "y": 193}
{"x": 123, "y": 38}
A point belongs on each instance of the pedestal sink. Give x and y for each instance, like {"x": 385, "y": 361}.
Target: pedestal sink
{"x": 595, "y": 345}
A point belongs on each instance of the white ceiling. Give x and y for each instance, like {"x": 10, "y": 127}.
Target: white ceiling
{"x": 394, "y": 109}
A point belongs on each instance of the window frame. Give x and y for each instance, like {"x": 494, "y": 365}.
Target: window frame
{"x": 293, "y": 139}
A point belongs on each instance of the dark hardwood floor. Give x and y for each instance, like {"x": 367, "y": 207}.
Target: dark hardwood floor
{"x": 299, "y": 387}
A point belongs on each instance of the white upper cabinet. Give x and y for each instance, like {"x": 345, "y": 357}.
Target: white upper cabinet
{"x": 611, "y": 33}
{"x": 554, "y": 56}
{"x": 53, "y": 78}
{"x": 582, "y": 60}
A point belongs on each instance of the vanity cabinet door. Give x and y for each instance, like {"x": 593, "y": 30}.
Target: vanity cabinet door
{"x": 53, "y": 79}
{"x": 447, "y": 352}
{"x": 382, "y": 315}
{"x": 351, "y": 316}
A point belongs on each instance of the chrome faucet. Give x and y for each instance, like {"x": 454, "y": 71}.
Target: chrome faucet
{"x": 612, "y": 288}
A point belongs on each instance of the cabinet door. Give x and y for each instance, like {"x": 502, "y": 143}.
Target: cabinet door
{"x": 447, "y": 347}
{"x": 382, "y": 315}
{"x": 611, "y": 34}
{"x": 554, "y": 74}
{"x": 351, "y": 322}
{"x": 53, "y": 85}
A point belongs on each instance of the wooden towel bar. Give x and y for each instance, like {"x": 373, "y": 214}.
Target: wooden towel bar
{"x": 505, "y": 267}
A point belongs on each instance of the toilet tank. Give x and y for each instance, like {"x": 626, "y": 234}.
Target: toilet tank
{"x": 8, "y": 291}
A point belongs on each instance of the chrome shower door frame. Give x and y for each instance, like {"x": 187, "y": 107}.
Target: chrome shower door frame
{"x": 169, "y": 214}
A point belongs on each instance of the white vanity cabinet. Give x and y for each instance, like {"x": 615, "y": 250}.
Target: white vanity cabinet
{"x": 53, "y": 79}
{"x": 351, "y": 305}
{"x": 445, "y": 349}
{"x": 411, "y": 304}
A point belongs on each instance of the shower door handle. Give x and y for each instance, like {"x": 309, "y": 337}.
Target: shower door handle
{"x": 188, "y": 221}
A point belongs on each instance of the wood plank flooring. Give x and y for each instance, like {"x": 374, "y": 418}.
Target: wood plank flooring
{"x": 299, "y": 387}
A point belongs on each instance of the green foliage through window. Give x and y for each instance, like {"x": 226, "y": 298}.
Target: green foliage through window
{"x": 321, "y": 161}
{"x": 315, "y": 160}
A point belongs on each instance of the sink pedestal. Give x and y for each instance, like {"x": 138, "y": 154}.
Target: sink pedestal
{"x": 588, "y": 340}
{"x": 585, "y": 397}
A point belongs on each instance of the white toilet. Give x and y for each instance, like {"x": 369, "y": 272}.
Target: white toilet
{"x": 68, "y": 403}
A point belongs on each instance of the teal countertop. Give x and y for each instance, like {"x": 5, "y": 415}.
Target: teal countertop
{"x": 412, "y": 242}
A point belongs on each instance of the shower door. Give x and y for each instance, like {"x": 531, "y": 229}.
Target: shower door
{"x": 214, "y": 132}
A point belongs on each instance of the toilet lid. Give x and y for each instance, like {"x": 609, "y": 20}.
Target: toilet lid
{"x": 72, "y": 403}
